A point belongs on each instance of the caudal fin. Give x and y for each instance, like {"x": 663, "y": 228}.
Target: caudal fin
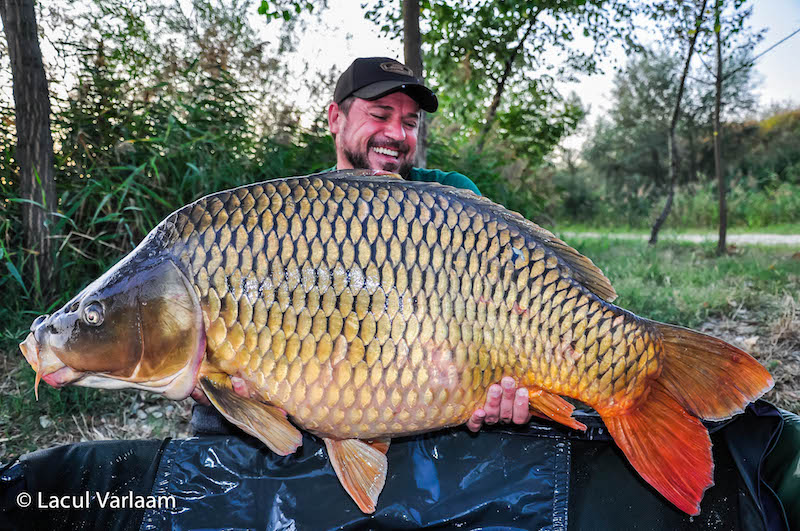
{"x": 712, "y": 379}
{"x": 669, "y": 448}
{"x": 661, "y": 435}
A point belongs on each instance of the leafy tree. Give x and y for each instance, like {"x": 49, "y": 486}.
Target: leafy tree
{"x": 490, "y": 63}
{"x": 692, "y": 34}
{"x": 732, "y": 38}
{"x": 628, "y": 147}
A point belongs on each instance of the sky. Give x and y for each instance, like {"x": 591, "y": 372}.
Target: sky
{"x": 344, "y": 35}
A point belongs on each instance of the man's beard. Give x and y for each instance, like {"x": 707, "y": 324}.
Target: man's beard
{"x": 359, "y": 161}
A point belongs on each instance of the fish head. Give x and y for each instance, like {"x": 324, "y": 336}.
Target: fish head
{"x": 140, "y": 326}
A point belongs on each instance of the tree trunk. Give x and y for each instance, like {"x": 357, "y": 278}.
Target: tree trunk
{"x": 34, "y": 152}
{"x": 412, "y": 47}
{"x": 671, "y": 144}
{"x": 723, "y": 207}
{"x": 692, "y": 170}
{"x": 501, "y": 83}
{"x": 673, "y": 165}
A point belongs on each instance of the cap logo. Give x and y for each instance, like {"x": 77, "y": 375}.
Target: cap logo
{"x": 397, "y": 68}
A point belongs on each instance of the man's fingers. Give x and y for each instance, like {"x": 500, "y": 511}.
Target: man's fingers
{"x": 492, "y": 406}
{"x": 476, "y": 420}
{"x": 200, "y": 397}
{"x": 521, "y": 411}
{"x": 507, "y": 399}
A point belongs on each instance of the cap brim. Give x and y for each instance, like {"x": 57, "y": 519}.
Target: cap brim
{"x": 420, "y": 93}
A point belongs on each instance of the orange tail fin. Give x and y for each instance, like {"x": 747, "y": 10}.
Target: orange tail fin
{"x": 710, "y": 378}
{"x": 661, "y": 435}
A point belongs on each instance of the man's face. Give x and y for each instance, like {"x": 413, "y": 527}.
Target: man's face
{"x": 378, "y": 135}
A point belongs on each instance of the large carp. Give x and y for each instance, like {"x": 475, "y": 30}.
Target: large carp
{"x": 366, "y": 307}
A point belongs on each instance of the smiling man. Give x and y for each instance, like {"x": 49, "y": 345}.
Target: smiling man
{"x": 374, "y": 119}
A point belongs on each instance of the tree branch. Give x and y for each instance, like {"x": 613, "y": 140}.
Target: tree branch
{"x": 501, "y": 83}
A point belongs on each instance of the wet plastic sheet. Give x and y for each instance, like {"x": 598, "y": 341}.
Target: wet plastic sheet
{"x": 537, "y": 477}
{"x": 450, "y": 480}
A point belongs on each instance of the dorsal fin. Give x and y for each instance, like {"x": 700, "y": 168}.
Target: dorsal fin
{"x": 582, "y": 267}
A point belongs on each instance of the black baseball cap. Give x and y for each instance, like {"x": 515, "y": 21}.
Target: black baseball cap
{"x": 370, "y": 78}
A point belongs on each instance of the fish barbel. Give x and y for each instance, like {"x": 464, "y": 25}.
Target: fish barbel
{"x": 366, "y": 307}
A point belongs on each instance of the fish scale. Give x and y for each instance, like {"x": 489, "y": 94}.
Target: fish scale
{"x": 319, "y": 292}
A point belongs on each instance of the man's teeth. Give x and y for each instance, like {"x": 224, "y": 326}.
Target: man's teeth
{"x": 386, "y": 151}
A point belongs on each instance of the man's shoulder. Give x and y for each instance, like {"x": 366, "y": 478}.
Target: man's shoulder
{"x": 450, "y": 178}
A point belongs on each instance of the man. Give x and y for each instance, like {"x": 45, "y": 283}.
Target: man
{"x": 374, "y": 119}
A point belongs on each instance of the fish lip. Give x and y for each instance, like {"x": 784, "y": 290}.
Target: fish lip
{"x": 62, "y": 376}
{"x": 58, "y": 374}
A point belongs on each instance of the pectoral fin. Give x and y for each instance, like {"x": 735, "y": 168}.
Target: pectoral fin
{"x": 361, "y": 469}
{"x": 265, "y": 422}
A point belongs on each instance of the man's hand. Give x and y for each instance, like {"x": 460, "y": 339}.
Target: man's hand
{"x": 502, "y": 403}
{"x": 200, "y": 397}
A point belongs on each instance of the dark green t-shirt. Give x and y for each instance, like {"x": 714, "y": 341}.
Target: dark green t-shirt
{"x": 450, "y": 178}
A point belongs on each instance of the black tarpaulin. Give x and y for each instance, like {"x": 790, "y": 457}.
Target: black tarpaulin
{"x": 541, "y": 476}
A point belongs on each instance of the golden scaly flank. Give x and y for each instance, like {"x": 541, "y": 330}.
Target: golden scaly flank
{"x": 366, "y": 307}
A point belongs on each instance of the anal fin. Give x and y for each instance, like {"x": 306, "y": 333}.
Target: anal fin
{"x": 552, "y": 406}
{"x": 265, "y": 422}
{"x": 361, "y": 469}
{"x": 382, "y": 445}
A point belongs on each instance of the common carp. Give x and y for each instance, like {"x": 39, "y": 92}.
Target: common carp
{"x": 360, "y": 307}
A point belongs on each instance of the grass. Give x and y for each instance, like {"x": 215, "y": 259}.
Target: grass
{"x": 782, "y": 228}
{"x": 685, "y": 283}
{"x": 674, "y": 282}
{"x": 71, "y": 414}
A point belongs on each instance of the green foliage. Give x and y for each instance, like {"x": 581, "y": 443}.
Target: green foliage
{"x": 283, "y": 10}
{"x": 749, "y": 207}
{"x": 630, "y": 147}
{"x": 511, "y": 184}
{"x": 584, "y": 198}
{"x": 488, "y": 62}
{"x": 146, "y": 129}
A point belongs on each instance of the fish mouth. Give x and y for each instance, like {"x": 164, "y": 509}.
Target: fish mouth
{"x": 61, "y": 377}
{"x": 48, "y": 367}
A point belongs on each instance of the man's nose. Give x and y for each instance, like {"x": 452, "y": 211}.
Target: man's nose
{"x": 394, "y": 130}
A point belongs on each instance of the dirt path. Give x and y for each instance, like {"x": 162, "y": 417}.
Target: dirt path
{"x": 738, "y": 239}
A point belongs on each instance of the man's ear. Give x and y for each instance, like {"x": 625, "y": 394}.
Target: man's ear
{"x": 335, "y": 117}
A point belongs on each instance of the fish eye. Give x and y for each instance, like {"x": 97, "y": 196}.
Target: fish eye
{"x": 93, "y": 314}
